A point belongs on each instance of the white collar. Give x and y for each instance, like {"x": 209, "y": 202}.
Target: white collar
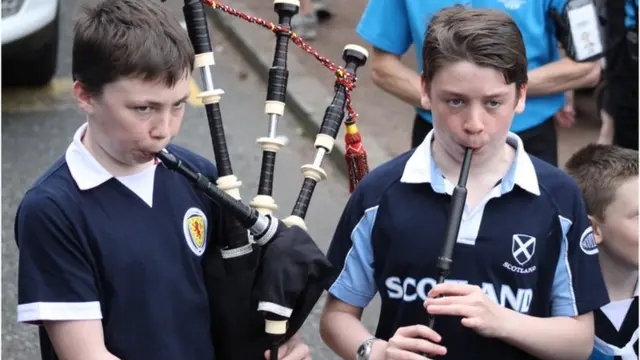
{"x": 85, "y": 169}
{"x": 421, "y": 168}
{"x": 88, "y": 173}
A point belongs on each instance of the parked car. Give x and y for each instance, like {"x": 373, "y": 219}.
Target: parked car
{"x": 30, "y": 34}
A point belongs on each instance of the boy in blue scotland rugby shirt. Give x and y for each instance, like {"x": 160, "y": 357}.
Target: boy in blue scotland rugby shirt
{"x": 521, "y": 285}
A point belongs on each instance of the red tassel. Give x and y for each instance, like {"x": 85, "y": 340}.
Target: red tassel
{"x": 355, "y": 157}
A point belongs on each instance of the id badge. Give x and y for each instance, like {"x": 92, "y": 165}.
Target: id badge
{"x": 585, "y": 30}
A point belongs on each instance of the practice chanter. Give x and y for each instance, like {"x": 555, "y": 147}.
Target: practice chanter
{"x": 458, "y": 200}
{"x": 249, "y": 227}
{"x": 456, "y": 209}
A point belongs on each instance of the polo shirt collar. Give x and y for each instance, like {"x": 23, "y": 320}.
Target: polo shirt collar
{"x": 421, "y": 168}
{"x": 85, "y": 169}
{"x": 88, "y": 173}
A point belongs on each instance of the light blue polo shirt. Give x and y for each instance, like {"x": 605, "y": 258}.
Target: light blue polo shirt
{"x": 630, "y": 12}
{"x": 394, "y": 25}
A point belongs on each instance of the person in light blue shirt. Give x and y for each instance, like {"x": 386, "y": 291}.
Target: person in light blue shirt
{"x": 631, "y": 14}
{"x": 393, "y": 26}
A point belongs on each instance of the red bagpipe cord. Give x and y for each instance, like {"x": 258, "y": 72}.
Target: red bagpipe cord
{"x": 355, "y": 154}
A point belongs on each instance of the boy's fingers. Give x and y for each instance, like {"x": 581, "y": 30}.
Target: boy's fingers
{"x": 418, "y": 331}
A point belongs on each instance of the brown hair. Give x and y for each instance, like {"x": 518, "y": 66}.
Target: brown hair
{"x": 129, "y": 38}
{"x": 485, "y": 37}
{"x": 599, "y": 170}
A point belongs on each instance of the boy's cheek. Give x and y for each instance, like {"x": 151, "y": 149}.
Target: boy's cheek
{"x": 621, "y": 240}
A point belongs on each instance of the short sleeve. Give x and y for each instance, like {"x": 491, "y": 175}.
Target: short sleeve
{"x": 578, "y": 286}
{"x": 55, "y": 278}
{"x": 385, "y": 25}
{"x": 351, "y": 252}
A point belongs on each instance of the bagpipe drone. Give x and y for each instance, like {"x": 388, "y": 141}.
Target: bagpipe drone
{"x": 268, "y": 275}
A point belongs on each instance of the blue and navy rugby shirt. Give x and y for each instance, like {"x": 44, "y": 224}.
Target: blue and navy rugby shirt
{"x": 527, "y": 244}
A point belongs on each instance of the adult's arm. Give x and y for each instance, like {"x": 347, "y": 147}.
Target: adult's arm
{"x": 562, "y": 75}
{"x": 390, "y": 74}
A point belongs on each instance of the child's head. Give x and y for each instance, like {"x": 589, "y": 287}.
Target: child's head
{"x": 474, "y": 79}
{"x": 132, "y": 65}
{"x": 608, "y": 178}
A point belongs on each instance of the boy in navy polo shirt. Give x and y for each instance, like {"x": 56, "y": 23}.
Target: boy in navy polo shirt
{"x": 608, "y": 178}
{"x": 521, "y": 285}
{"x": 111, "y": 243}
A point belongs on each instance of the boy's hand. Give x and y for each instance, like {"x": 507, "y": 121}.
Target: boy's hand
{"x": 468, "y": 301}
{"x": 294, "y": 349}
{"x": 409, "y": 342}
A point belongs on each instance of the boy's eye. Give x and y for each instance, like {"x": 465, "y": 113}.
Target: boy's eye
{"x": 494, "y": 103}
{"x": 143, "y": 109}
{"x": 455, "y": 102}
{"x": 179, "y": 105}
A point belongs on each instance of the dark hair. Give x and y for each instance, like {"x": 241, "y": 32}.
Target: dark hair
{"x": 485, "y": 37}
{"x": 129, "y": 38}
{"x": 599, "y": 170}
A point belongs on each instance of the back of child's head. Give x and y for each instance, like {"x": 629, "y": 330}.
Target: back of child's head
{"x": 129, "y": 39}
{"x": 600, "y": 170}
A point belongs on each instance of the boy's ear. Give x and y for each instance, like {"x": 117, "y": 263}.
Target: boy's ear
{"x": 84, "y": 99}
{"x": 425, "y": 101}
{"x": 595, "y": 225}
{"x": 521, "y": 99}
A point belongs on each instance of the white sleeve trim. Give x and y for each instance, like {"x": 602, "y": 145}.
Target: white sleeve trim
{"x": 275, "y": 308}
{"x": 40, "y": 311}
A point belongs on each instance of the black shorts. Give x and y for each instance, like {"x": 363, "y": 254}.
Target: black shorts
{"x": 540, "y": 141}
{"x": 620, "y": 101}
{"x": 620, "y": 93}
{"x": 625, "y": 127}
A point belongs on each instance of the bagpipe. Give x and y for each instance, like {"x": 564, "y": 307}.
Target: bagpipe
{"x": 267, "y": 274}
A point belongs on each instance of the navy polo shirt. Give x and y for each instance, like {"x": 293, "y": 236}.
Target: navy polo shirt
{"x": 527, "y": 244}
{"x": 126, "y": 251}
{"x": 395, "y": 25}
